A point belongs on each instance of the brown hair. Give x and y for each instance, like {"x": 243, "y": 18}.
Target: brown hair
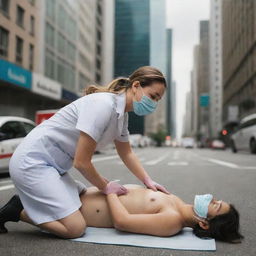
{"x": 145, "y": 75}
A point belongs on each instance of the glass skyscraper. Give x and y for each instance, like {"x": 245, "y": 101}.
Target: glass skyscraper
{"x": 132, "y": 46}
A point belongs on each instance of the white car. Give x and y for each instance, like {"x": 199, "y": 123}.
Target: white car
{"x": 12, "y": 131}
{"x": 188, "y": 142}
{"x": 245, "y": 136}
{"x": 217, "y": 144}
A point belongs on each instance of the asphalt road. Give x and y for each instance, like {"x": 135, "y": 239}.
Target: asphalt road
{"x": 185, "y": 172}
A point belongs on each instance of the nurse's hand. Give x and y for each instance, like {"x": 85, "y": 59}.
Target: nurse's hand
{"x": 114, "y": 188}
{"x": 154, "y": 186}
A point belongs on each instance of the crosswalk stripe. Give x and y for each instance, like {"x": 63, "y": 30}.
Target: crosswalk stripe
{"x": 178, "y": 163}
{"x": 231, "y": 165}
{"x": 155, "y": 161}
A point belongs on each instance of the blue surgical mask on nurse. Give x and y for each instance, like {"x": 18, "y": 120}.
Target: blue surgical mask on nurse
{"x": 145, "y": 106}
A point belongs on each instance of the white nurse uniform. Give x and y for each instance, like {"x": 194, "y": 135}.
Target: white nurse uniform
{"x": 40, "y": 163}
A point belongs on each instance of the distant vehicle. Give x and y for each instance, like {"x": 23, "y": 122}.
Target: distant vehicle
{"x": 42, "y": 115}
{"x": 138, "y": 140}
{"x": 12, "y": 131}
{"x": 188, "y": 142}
{"x": 135, "y": 140}
{"x": 244, "y": 138}
{"x": 217, "y": 144}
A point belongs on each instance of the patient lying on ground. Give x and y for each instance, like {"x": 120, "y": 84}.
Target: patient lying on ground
{"x": 155, "y": 213}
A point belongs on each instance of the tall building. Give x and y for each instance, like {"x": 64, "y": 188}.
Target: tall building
{"x": 19, "y": 59}
{"x": 239, "y": 68}
{"x": 51, "y": 50}
{"x": 158, "y": 58}
{"x": 215, "y": 68}
{"x": 203, "y": 80}
{"x": 170, "y": 93}
{"x": 132, "y": 44}
{"x": 194, "y": 93}
{"x": 173, "y": 111}
{"x": 188, "y": 115}
{"x": 139, "y": 32}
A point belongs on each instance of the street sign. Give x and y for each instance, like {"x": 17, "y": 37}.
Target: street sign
{"x": 204, "y": 100}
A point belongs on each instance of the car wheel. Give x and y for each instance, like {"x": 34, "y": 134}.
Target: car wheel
{"x": 233, "y": 146}
{"x": 253, "y": 146}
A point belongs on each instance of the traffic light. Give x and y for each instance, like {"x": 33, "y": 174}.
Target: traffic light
{"x": 224, "y": 132}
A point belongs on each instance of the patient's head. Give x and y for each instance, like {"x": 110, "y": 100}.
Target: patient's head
{"x": 222, "y": 223}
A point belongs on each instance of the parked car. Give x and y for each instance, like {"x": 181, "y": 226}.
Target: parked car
{"x": 244, "y": 138}
{"x": 217, "y": 144}
{"x": 12, "y": 131}
{"x": 188, "y": 142}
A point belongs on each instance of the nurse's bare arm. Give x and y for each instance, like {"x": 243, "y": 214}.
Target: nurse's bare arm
{"x": 164, "y": 223}
{"x": 82, "y": 161}
{"x": 130, "y": 159}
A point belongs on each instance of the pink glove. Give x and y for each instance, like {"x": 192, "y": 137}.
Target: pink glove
{"x": 154, "y": 186}
{"x": 114, "y": 188}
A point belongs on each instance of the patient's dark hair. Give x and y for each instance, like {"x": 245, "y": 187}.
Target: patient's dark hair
{"x": 224, "y": 227}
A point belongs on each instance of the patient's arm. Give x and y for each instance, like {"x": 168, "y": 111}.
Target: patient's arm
{"x": 165, "y": 223}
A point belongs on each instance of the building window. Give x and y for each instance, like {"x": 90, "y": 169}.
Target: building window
{"x": 50, "y": 9}
{"x": 31, "y": 57}
{"x": 49, "y": 65}
{"x": 20, "y": 16}
{"x": 32, "y": 25}
{"x": 4, "y": 36}
{"x": 49, "y": 35}
{"x": 61, "y": 71}
{"x": 61, "y": 43}
{"x": 98, "y": 78}
{"x": 99, "y": 9}
{"x": 4, "y": 7}
{"x": 98, "y": 64}
{"x": 98, "y": 35}
{"x": 19, "y": 50}
{"x": 98, "y": 49}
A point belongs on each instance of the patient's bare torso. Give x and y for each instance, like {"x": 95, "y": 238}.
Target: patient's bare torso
{"x": 139, "y": 200}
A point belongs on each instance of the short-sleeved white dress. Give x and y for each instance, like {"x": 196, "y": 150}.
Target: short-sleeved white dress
{"x": 40, "y": 163}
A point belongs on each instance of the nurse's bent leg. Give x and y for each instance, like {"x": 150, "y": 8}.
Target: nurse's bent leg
{"x": 72, "y": 226}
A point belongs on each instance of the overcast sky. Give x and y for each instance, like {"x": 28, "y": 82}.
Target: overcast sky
{"x": 183, "y": 17}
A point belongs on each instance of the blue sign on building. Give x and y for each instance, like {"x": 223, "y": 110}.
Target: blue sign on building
{"x": 14, "y": 74}
{"x": 204, "y": 100}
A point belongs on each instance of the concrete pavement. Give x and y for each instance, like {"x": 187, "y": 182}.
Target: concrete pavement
{"x": 185, "y": 172}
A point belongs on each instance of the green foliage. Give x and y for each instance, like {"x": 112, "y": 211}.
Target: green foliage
{"x": 159, "y": 136}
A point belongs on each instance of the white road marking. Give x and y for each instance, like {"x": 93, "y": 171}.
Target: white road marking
{"x": 248, "y": 167}
{"x": 230, "y": 165}
{"x": 6, "y": 187}
{"x": 159, "y": 159}
{"x": 178, "y": 163}
{"x": 104, "y": 158}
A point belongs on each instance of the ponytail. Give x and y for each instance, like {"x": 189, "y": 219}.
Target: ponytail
{"x": 117, "y": 86}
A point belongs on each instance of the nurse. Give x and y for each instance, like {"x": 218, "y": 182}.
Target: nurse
{"x": 39, "y": 166}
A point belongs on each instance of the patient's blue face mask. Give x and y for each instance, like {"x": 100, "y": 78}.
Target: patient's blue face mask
{"x": 145, "y": 106}
{"x": 201, "y": 204}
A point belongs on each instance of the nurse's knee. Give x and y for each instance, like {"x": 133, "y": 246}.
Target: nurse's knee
{"x": 76, "y": 231}
{"x": 75, "y": 227}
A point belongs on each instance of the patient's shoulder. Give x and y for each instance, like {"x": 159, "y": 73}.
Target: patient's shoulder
{"x": 174, "y": 222}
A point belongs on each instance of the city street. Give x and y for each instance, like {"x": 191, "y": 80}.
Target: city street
{"x": 184, "y": 172}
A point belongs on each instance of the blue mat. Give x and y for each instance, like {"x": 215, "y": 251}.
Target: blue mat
{"x": 185, "y": 240}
